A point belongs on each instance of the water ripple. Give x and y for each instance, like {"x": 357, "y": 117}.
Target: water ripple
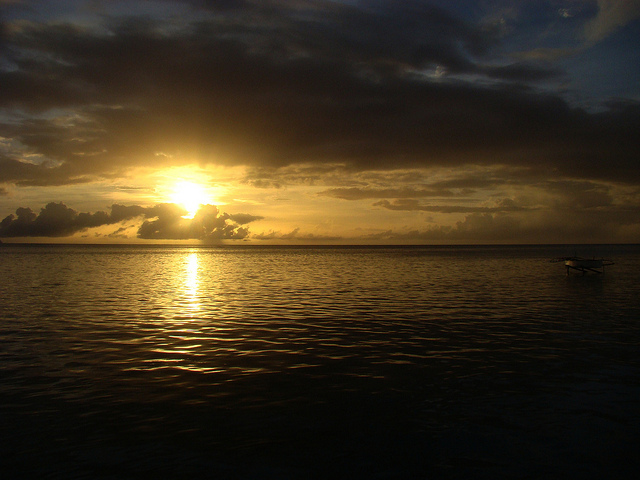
{"x": 339, "y": 351}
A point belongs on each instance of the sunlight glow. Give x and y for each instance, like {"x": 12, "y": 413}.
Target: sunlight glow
{"x": 191, "y": 281}
{"x": 190, "y": 195}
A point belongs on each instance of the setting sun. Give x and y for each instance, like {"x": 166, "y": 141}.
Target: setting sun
{"x": 190, "y": 195}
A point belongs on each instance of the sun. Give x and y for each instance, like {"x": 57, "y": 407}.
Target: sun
{"x": 189, "y": 195}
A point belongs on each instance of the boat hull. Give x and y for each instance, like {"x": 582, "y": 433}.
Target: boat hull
{"x": 584, "y": 263}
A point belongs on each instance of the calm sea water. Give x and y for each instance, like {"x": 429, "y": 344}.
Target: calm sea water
{"x": 278, "y": 363}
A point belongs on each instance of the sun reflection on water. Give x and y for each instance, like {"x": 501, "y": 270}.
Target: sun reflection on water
{"x": 191, "y": 282}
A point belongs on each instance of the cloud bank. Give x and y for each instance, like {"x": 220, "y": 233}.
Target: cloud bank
{"x": 161, "y": 222}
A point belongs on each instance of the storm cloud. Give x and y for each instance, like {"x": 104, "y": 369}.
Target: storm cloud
{"x": 271, "y": 84}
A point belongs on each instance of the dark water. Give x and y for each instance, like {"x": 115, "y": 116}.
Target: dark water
{"x": 277, "y": 363}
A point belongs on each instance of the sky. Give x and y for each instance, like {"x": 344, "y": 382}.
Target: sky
{"x": 320, "y": 122}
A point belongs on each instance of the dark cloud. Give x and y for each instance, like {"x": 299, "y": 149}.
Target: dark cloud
{"x": 54, "y": 220}
{"x": 497, "y": 228}
{"x": 299, "y": 174}
{"x": 244, "y": 218}
{"x": 522, "y": 72}
{"x": 355, "y": 193}
{"x": 296, "y": 236}
{"x": 162, "y": 221}
{"x": 167, "y": 223}
{"x": 581, "y": 194}
{"x": 218, "y": 5}
{"x": 493, "y": 227}
{"x": 120, "y": 213}
{"x": 478, "y": 227}
{"x": 276, "y": 83}
{"x": 414, "y": 205}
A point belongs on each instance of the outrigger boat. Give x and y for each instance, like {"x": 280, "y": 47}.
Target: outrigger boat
{"x": 584, "y": 265}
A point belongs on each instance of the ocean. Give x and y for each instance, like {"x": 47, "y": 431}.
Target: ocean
{"x": 254, "y": 362}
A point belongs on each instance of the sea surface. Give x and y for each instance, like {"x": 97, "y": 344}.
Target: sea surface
{"x": 311, "y": 363}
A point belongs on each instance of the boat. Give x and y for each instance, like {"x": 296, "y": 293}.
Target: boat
{"x": 584, "y": 265}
